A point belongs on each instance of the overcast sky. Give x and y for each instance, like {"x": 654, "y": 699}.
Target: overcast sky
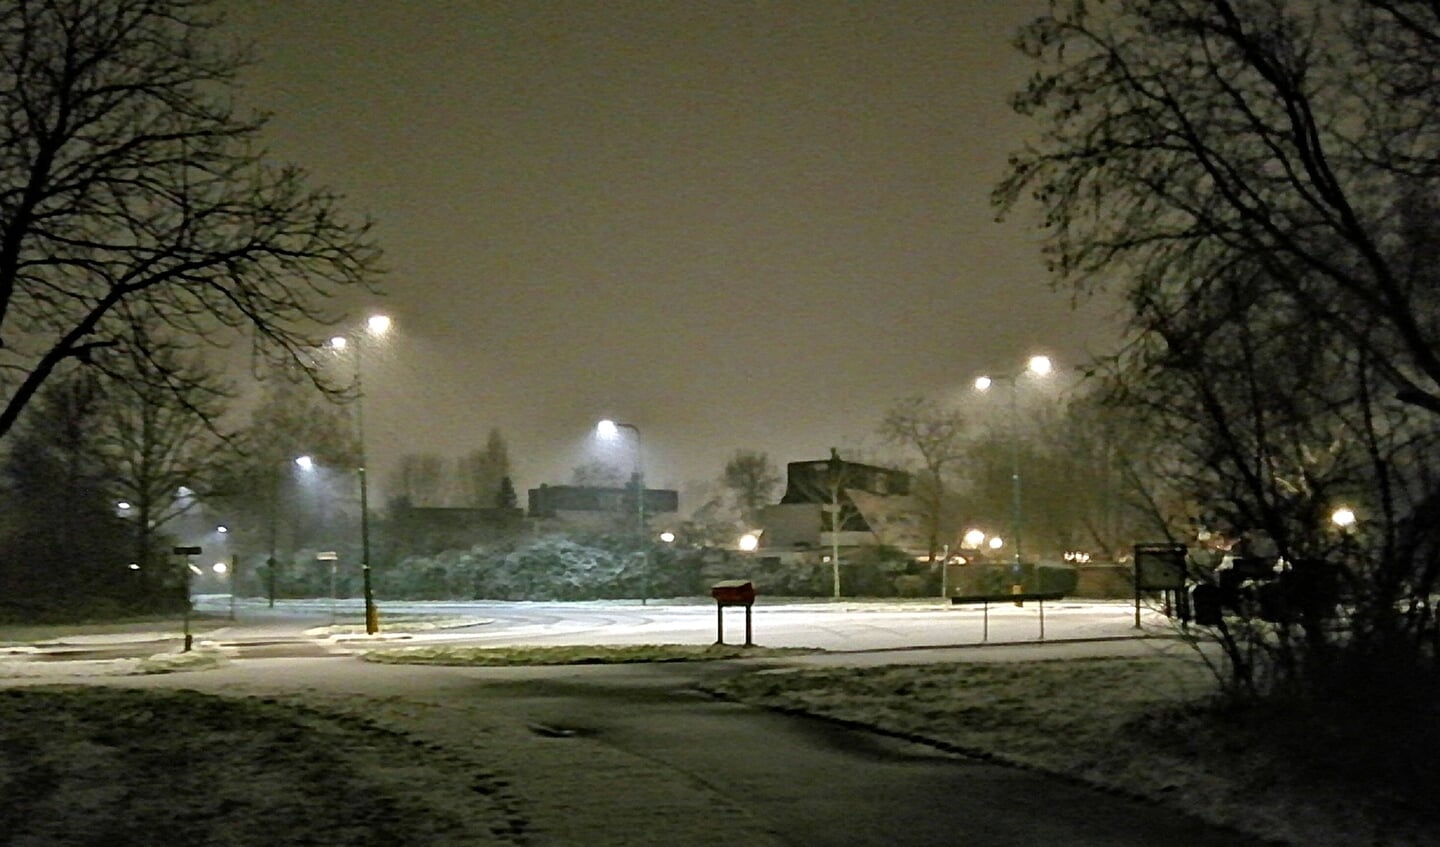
{"x": 732, "y": 224}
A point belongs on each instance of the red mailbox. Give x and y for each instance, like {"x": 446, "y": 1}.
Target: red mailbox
{"x": 732, "y": 592}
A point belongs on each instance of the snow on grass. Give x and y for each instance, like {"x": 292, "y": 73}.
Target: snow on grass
{"x": 403, "y": 623}
{"x": 1134, "y": 725}
{"x": 121, "y": 767}
{"x": 571, "y": 655}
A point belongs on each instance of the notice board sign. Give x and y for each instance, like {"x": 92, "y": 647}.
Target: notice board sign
{"x": 1160, "y": 567}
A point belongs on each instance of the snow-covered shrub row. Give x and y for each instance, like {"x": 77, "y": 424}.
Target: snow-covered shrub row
{"x": 551, "y": 567}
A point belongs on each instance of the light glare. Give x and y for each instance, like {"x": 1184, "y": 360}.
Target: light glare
{"x": 1040, "y": 365}
{"x": 305, "y": 463}
{"x": 983, "y": 383}
{"x": 1343, "y": 517}
{"x": 378, "y": 324}
{"x": 974, "y": 538}
{"x": 749, "y": 541}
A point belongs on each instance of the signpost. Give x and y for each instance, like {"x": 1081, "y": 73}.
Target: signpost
{"x": 187, "y": 552}
{"x": 334, "y": 559}
{"x": 1159, "y": 567}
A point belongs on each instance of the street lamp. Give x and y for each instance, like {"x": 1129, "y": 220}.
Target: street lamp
{"x": 609, "y": 430}
{"x": 305, "y": 464}
{"x": 1037, "y": 366}
{"x": 377, "y": 326}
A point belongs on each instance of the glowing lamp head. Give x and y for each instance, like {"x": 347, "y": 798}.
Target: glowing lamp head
{"x": 996, "y": 543}
{"x": 983, "y": 383}
{"x": 974, "y": 538}
{"x": 339, "y": 342}
{"x": 667, "y": 537}
{"x": 1343, "y": 517}
{"x": 607, "y": 430}
{"x": 305, "y": 463}
{"x": 749, "y": 542}
{"x": 378, "y": 324}
{"x": 1040, "y": 365}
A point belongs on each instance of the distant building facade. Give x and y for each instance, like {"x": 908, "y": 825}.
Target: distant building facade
{"x": 600, "y": 507}
{"x": 874, "y": 503}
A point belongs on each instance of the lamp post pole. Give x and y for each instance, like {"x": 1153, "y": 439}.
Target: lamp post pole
{"x": 1038, "y": 366}
{"x": 375, "y": 325}
{"x": 608, "y": 429}
{"x": 372, "y": 617}
{"x": 1017, "y": 507}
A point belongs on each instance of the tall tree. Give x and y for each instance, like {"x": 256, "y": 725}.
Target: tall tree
{"x": 420, "y": 480}
{"x": 129, "y": 186}
{"x": 64, "y": 546}
{"x": 1258, "y": 179}
{"x": 1188, "y": 141}
{"x": 750, "y": 478}
{"x": 156, "y": 435}
{"x": 268, "y": 500}
{"x": 480, "y": 472}
{"x": 936, "y": 435}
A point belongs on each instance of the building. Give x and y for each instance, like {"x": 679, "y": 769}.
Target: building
{"x": 875, "y": 508}
{"x": 599, "y": 507}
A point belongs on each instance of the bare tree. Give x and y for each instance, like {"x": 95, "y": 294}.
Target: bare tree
{"x": 1258, "y": 180}
{"x": 1186, "y": 138}
{"x": 155, "y": 433}
{"x": 751, "y": 479}
{"x": 937, "y": 435}
{"x": 130, "y": 186}
{"x": 480, "y": 474}
{"x": 420, "y": 480}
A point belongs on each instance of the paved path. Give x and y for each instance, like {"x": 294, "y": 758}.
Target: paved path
{"x": 628, "y": 755}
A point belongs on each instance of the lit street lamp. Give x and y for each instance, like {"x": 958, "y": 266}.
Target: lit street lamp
{"x": 1037, "y": 366}
{"x": 376, "y": 325}
{"x": 609, "y": 430}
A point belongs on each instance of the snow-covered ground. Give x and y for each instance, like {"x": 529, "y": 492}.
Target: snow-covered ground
{"x": 1081, "y": 718}
{"x": 357, "y": 732}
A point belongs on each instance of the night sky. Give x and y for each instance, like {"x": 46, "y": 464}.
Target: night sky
{"x": 732, "y": 224}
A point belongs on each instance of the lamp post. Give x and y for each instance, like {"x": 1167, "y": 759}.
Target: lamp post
{"x": 609, "y": 430}
{"x": 1037, "y": 366}
{"x": 376, "y": 325}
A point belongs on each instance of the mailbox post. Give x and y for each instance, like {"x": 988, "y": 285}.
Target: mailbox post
{"x": 733, "y": 592}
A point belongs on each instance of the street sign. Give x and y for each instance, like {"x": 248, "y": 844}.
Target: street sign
{"x": 186, "y": 551}
{"x": 326, "y": 556}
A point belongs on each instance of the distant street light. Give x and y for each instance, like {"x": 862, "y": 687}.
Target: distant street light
{"x": 375, "y": 326}
{"x": 272, "y": 564}
{"x": 608, "y": 430}
{"x": 668, "y": 537}
{"x": 974, "y": 538}
{"x": 749, "y": 542}
{"x": 996, "y": 543}
{"x": 1037, "y": 366}
{"x": 1343, "y": 517}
